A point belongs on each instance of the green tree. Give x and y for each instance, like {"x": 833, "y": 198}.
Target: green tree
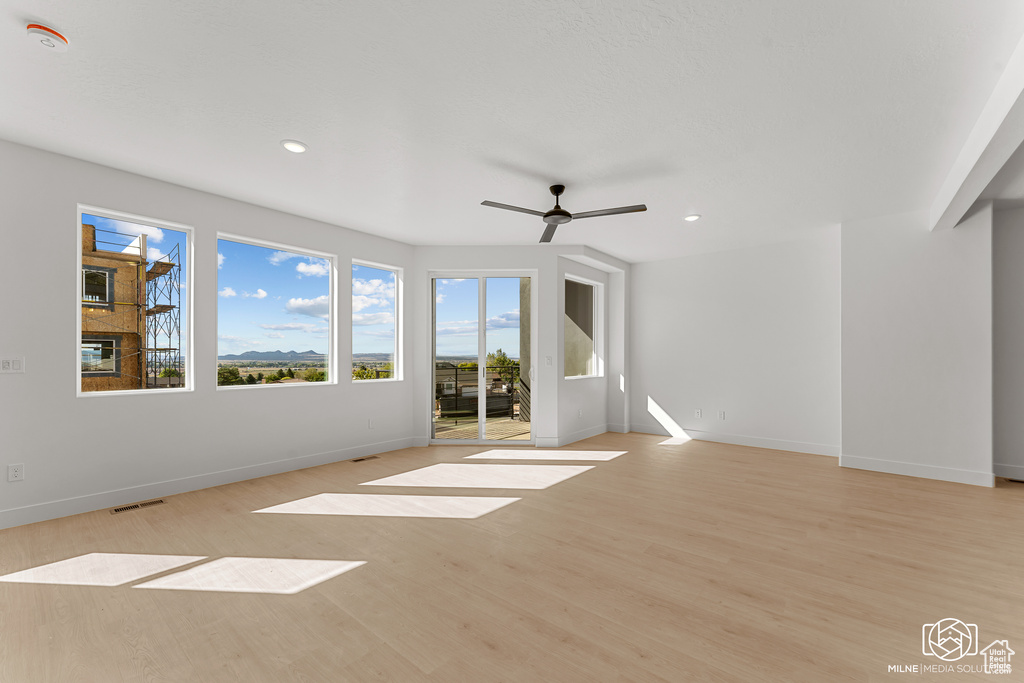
{"x": 363, "y": 372}
{"x": 291, "y": 373}
{"x": 169, "y": 372}
{"x": 259, "y": 378}
{"x": 467, "y": 366}
{"x": 505, "y": 367}
{"x": 228, "y": 376}
{"x": 314, "y": 375}
{"x": 250, "y": 379}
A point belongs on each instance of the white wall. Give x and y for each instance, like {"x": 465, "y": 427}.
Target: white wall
{"x": 77, "y": 453}
{"x": 754, "y": 332}
{"x": 1008, "y": 343}
{"x": 917, "y": 347}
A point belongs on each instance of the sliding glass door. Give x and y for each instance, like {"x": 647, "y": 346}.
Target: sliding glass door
{"x": 482, "y": 371}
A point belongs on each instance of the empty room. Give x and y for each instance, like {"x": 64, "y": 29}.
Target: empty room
{"x": 507, "y": 341}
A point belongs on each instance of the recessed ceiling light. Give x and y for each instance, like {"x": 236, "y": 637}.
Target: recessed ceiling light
{"x": 47, "y": 37}
{"x": 692, "y": 217}
{"x": 294, "y": 146}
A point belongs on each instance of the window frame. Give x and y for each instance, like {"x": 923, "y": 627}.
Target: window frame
{"x": 188, "y": 297}
{"x": 597, "y": 356}
{"x": 398, "y": 373}
{"x": 115, "y": 341}
{"x": 332, "y": 304}
{"x": 109, "y": 275}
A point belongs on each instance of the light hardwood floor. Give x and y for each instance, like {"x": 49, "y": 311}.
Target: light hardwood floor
{"x": 701, "y": 561}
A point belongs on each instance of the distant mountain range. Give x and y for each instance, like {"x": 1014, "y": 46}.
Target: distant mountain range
{"x": 275, "y": 355}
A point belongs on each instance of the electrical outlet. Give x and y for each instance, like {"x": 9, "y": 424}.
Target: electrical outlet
{"x": 696, "y": 413}
{"x": 580, "y": 415}
{"x": 369, "y": 423}
{"x": 16, "y": 472}
{"x": 721, "y": 414}
{"x": 12, "y": 366}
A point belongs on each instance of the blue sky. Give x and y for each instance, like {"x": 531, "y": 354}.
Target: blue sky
{"x": 373, "y": 310}
{"x": 457, "y": 314}
{"x": 269, "y": 300}
{"x": 115, "y": 235}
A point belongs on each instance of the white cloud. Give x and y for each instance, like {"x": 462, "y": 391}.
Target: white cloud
{"x": 360, "y": 302}
{"x": 316, "y": 308}
{"x": 451, "y": 282}
{"x": 227, "y": 291}
{"x": 154, "y": 254}
{"x": 239, "y": 341}
{"x": 457, "y": 331}
{"x": 373, "y": 288}
{"x": 274, "y": 335}
{"x": 220, "y": 260}
{"x": 152, "y": 234}
{"x": 373, "y": 319}
{"x": 440, "y": 298}
{"x": 279, "y": 257}
{"x": 260, "y": 294}
{"x": 505, "y": 320}
{"x": 301, "y": 327}
{"x": 315, "y": 268}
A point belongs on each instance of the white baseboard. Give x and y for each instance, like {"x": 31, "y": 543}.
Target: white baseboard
{"x": 1008, "y": 471}
{"x": 743, "y": 440}
{"x": 618, "y": 428}
{"x": 912, "y": 469}
{"x": 573, "y": 437}
{"x": 107, "y": 499}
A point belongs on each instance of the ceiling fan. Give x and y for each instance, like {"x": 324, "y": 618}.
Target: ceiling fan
{"x": 559, "y": 216}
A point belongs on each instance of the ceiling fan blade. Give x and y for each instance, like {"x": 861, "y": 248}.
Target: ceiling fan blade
{"x": 509, "y": 207}
{"x": 610, "y": 212}
{"x": 549, "y": 232}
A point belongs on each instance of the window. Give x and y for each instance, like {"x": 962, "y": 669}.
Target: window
{"x": 133, "y": 329}
{"x": 98, "y": 286}
{"x": 375, "y": 312}
{"x": 101, "y": 356}
{"x": 581, "y": 325}
{"x": 274, "y": 321}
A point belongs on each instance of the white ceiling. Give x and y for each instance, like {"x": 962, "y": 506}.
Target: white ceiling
{"x": 769, "y": 118}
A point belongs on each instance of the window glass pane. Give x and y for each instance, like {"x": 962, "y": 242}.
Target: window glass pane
{"x": 579, "y": 329}
{"x": 374, "y": 311}
{"x": 134, "y": 318}
{"x": 507, "y": 339}
{"x": 456, "y": 355}
{"x": 273, "y": 315}
{"x": 95, "y": 286}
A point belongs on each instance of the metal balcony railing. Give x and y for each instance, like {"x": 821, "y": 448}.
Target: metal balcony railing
{"x": 458, "y": 390}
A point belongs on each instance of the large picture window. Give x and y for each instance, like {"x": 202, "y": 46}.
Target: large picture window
{"x": 134, "y": 310}
{"x": 274, "y": 314}
{"x": 581, "y": 329}
{"x": 376, "y": 293}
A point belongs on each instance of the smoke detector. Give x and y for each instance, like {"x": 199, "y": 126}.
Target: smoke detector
{"x": 47, "y": 37}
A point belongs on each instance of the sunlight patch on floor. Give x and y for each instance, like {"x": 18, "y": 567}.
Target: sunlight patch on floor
{"x": 373, "y": 505}
{"x": 101, "y": 569}
{"x": 484, "y": 476}
{"x": 253, "y": 575}
{"x": 533, "y": 454}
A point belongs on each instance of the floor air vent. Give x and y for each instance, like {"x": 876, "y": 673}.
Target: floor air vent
{"x": 136, "y": 506}
{"x": 369, "y": 457}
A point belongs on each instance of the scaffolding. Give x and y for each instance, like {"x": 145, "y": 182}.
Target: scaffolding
{"x": 140, "y": 314}
{"x": 164, "y": 364}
